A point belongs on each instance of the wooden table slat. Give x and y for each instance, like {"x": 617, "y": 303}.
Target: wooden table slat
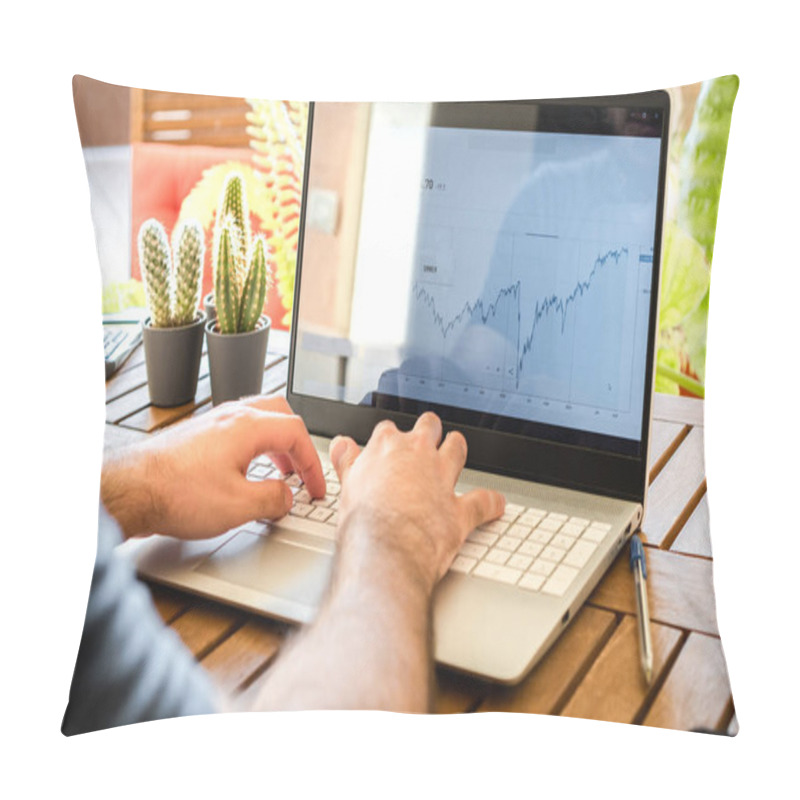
{"x": 615, "y": 689}
{"x": 244, "y": 653}
{"x": 672, "y": 492}
{"x": 680, "y": 590}
{"x": 665, "y": 437}
{"x": 204, "y": 625}
{"x": 696, "y": 693}
{"x": 695, "y": 536}
{"x": 551, "y": 681}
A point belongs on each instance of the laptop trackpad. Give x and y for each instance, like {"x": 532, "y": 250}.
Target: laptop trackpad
{"x": 272, "y": 566}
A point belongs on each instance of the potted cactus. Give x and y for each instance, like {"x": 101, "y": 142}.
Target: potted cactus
{"x": 173, "y": 333}
{"x": 238, "y": 336}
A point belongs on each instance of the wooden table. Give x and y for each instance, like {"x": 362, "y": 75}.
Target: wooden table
{"x": 593, "y": 670}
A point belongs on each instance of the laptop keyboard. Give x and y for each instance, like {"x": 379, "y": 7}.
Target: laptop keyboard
{"x": 535, "y": 549}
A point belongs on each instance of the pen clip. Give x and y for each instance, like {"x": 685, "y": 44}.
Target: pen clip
{"x": 637, "y": 554}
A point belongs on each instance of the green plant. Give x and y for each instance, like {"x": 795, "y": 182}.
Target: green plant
{"x": 241, "y": 273}
{"x": 688, "y": 246}
{"x": 278, "y": 130}
{"x": 172, "y": 278}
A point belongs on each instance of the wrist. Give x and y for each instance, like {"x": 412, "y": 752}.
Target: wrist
{"x": 382, "y": 548}
{"x": 128, "y": 490}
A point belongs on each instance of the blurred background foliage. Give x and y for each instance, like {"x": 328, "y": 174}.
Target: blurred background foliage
{"x": 700, "y": 124}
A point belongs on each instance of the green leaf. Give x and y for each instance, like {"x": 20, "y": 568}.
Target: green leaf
{"x": 685, "y": 277}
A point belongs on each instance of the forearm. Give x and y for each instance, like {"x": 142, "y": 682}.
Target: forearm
{"x": 128, "y": 490}
{"x": 370, "y": 645}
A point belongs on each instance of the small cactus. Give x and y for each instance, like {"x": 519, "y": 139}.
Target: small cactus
{"x": 172, "y": 279}
{"x": 241, "y": 272}
{"x": 154, "y": 258}
{"x": 189, "y": 248}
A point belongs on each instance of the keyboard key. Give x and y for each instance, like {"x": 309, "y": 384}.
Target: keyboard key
{"x": 519, "y": 531}
{"x": 319, "y": 514}
{"x": 592, "y": 534}
{"x": 473, "y": 550}
{"x": 540, "y": 536}
{"x": 548, "y": 524}
{"x": 572, "y": 529}
{"x": 259, "y": 472}
{"x": 294, "y": 480}
{"x": 581, "y": 521}
{"x": 530, "y": 549}
{"x": 300, "y": 510}
{"x": 303, "y": 497}
{"x": 553, "y": 553}
{"x": 333, "y": 488}
{"x": 498, "y": 527}
{"x": 514, "y": 508}
{"x": 509, "y": 543}
{"x": 531, "y": 516}
{"x": 496, "y": 573}
{"x": 326, "y": 501}
{"x": 580, "y": 554}
{"x": 531, "y": 581}
{"x": 557, "y": 517}
{"x": 519, "y": 562}
{"x": 463, "y": 564}
{"x": 333, "y": 519}
{"x": 483, "y": 537}
{"x": 508, "y": 516}
{"x": 496, "y": 556}
{"x": 564, "y": 542}
{"x": 541, "y": 567}
{"x": 560, "y": 580}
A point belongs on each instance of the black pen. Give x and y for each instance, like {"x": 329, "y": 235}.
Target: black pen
{"x": 639, "y": 569}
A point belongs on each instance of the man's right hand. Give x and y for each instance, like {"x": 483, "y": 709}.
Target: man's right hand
{"x": 398, "y": 501}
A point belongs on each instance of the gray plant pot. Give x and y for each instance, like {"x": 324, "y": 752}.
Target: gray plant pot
{"x": 210, "y": 307}
{"x": 172, "y": 356}
{"x": 236, "y": 361}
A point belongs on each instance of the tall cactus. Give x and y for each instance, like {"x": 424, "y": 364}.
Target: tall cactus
{"x": 241, "y": 270}
{"x": 172, "y": 279}
{"x": 232, "y": 208}
{"x": 154, "y": 256}
{"x": 189, "y": 249}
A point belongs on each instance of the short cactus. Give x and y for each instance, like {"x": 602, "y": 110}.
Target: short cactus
{"x": 241, "y": 272}
{"x": 172, "y": 285}
{"x": 189, "y": 248}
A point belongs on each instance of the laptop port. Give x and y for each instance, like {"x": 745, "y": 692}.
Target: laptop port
{"x": 565, "y": 618}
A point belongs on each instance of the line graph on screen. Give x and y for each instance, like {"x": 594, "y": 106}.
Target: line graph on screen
{"x": 553, "y": 319}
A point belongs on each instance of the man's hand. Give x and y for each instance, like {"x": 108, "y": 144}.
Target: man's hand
{"x": 191, "y": 481}
{"x": 400, "y": 525}
{"x": 398, "y": 497}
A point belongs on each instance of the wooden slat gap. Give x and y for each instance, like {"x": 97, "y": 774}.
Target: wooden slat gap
{"x": 226, "y": 634}
{"x": 661, "y": 679}
{"x": 688, "y": 510}
{"x": 662, "y": 460}
{"x": 585, "y": 666}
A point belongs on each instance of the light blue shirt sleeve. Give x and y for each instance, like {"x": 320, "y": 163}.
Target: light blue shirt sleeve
{"x": 130, "y": 667}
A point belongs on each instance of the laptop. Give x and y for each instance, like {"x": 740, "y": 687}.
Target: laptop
{"x": 497, "y": 263}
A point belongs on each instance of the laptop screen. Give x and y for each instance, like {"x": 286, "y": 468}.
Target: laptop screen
{"x": 493, "y": 262}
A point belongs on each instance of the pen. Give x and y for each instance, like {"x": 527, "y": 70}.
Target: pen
{"x": 639, "y": 569}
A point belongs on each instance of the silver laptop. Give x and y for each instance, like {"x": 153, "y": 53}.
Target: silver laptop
{"x": 496, "y": 262}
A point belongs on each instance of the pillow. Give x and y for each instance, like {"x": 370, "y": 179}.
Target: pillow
{"x": 168, "y": 156}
